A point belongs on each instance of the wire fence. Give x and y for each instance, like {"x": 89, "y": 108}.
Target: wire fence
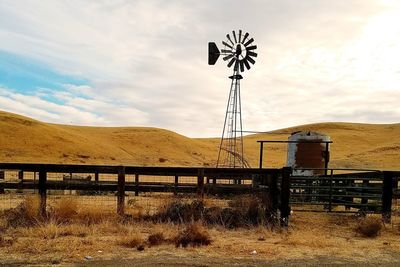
{"x": 144, "y": 190}
{"x": 125, "y": 190}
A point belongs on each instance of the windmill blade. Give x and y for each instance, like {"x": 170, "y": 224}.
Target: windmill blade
{"x": 234, "y": 36}
{"x": 246, "y": 63}
{"x": 252, "y": 61}
{"x": 226, "y": 44}
{"x": 226, "y": 51}
{"x": 229, "y": 38}
{"x": 249, "y": 42}
{"x": 240, "y": 35}
{"x": 245, "y": 37}
{"x": 228, "y": 57}
{"x": 251, "y": 54}
{"x": 231, "y": 62}
{"x": 251, "y": 47}
{"x": 241, "y": 66}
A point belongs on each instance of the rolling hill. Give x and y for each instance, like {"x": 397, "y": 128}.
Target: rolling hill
{"x": 26, "y": 140}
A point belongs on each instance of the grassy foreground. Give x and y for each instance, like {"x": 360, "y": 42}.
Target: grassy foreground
{"x": 73, "y": 234}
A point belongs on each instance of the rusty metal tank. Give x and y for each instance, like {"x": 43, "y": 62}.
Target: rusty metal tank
{"x": 308, "y": 149}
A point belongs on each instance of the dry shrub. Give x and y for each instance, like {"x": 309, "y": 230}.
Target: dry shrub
{"x": 3, "y": 223}
{"x": 25, "y": 214}
{"x": 180, "y": 212}
{"x": 93, "y": 215}
{"x": 156, "y": 239}
{"x": 369, "y": 227}
{"x": 42, "y": 230}
{"x": 243, "y": 211}
{"x": 77, "y": 230}
{"x": 131, "y": 240}
{"x": 193, "y": 235}
{"x": 162, "y": 160}
{"x": 252, "y": 208}
{"x": 50, "y": 230}
{"x": 112, "y": 227}
{"x": 6, "y": 241}
{"x": 65, "y": 210}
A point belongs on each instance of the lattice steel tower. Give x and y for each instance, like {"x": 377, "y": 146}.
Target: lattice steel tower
{"x": 239, "y": 52}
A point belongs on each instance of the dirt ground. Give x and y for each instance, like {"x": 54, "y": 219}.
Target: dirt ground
{"x": 194, "y": 259}
{"x": 198, "y": 258}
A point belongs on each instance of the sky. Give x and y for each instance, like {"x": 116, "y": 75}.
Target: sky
{"x": 144, "y": 63}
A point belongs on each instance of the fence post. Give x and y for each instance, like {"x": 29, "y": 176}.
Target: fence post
{"x": 364, "y": 199}
{"x": 21, "y": 175}
{"x": 261, "y": 155}
{"x": 121, "y": 191}
{"x": 271, "y": 181}
{"x": 330, "y": 190}
{"x": 200, "y": 183}
{"x": 96, "y": 176}
{"x": 21, "y": 180}
{"x": 285, "y": 196}
{"x": 2, "y": 176}
{"x": 387, "y": 194}
{"x": 42, "y": 189}
{"x": 136, "y": 184}
{"x": 176, "y": 185}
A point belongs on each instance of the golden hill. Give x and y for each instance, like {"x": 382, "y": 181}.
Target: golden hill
{"x": 26, "y": 140}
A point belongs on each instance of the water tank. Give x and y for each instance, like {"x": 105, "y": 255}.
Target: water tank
{"x": 307, "y": 150}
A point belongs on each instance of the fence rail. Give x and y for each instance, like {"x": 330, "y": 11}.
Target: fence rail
{"x": 44, "y": 177}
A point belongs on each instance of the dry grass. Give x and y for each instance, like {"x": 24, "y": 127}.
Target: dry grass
{"x": 131, "y": 240}
{"x": 369, "y": 226}
{"x": 94, "y": 215}
{"x": 375, "y": 146}
{"x": 65, "y": 209}
{"x": 156, "y": 239}
{"x": 193, "y": 235}
{"x": 25, "y": 214}
{"x": 309, "y": 235}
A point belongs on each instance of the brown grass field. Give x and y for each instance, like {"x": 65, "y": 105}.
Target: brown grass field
{"x": 373, "y": 146}
{"x": 76, "y": 230}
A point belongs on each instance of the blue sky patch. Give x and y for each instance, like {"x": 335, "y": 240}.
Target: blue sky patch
{"x": 27, "y": 76}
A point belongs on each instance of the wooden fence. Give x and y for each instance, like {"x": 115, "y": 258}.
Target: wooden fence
{"x": 375, "y": 189}
{"x": 274, "y": 183}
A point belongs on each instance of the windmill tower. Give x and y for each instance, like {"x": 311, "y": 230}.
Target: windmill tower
{"x": 239, "y": 52}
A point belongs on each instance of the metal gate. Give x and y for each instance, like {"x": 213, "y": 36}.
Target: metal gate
{"x": 339, "y": 190}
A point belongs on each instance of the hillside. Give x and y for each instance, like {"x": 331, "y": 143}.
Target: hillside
{"x": 26, "y": 140}
{"x": 354, "y": 145}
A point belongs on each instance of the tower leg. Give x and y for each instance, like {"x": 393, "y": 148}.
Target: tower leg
{"x": 231, "y": 149}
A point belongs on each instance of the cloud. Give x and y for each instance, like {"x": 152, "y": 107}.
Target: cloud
{"x": 145, "y": 61}
{"x": 73, "y": 110}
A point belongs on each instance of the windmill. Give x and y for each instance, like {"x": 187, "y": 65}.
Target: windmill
{"x": 239, "y": 53}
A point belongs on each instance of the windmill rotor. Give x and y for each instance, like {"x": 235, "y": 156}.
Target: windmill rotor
{"x": 238, "y": 51}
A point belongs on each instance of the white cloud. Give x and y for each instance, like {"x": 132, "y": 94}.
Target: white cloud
{"x": 74, "y": 110}
{"x": 146, "y": 61}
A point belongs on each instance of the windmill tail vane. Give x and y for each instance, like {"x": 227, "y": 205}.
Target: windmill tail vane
{"x": 238, "y": 51}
